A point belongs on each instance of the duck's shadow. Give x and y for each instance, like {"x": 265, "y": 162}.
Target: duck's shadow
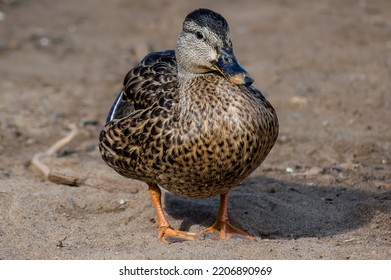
{"x": 274, "y": 209}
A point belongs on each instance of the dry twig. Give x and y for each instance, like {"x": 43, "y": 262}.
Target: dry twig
{"x": 49, "y": 174}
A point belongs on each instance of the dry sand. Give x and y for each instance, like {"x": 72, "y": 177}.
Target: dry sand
{"x": 324, "y": 192}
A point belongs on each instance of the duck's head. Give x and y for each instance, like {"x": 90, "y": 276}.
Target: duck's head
{"x": 204, "y": 45}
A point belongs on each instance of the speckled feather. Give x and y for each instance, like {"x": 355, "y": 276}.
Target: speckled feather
{"x": 195, "y": 137}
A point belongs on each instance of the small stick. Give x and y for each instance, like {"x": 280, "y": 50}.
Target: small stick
{"x": 53, "y": 176}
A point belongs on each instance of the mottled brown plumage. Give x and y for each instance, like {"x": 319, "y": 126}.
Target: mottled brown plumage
{"x": 189, "y": 120}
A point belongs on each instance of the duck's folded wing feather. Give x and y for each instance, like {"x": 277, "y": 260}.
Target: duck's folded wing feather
{"x": 149, "y": 83}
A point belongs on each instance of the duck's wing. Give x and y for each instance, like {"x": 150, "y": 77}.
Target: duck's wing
{"x": 150, "y": 82}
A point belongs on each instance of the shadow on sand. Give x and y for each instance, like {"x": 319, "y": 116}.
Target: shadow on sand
{"x": 273, "y": 209}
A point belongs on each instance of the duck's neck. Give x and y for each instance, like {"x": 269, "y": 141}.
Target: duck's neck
{"x": 196, "y": 99}
{"x": 185, "y": 80}
{"x": 184, "y": 76}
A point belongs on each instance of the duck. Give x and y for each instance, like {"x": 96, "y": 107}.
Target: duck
{"x": 190, "y": 121}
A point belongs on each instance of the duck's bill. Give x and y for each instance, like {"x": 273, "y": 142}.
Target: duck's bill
{"x": 229, "y": 67}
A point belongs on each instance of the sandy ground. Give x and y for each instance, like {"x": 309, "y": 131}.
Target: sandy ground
{"x": 324, "y": 192}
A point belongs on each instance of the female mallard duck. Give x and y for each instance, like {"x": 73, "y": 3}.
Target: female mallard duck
{"x": 189, "y": 121}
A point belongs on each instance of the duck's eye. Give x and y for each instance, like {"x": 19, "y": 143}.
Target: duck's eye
{"x": 199, "y": 35}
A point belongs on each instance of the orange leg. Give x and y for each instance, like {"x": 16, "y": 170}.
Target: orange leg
{"x": 222, "y": 223}
{"x": 165, "y": 230}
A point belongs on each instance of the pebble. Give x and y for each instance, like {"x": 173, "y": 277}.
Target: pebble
{"x": 44, "y": 41}
{"x": 122, "y": 201}
{"x": 283, "y": 139}
{"x": 289, "y": 170}
{"x": 299, "y": 100}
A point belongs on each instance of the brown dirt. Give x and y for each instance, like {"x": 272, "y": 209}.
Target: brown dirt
{"x": 323, "y": 192}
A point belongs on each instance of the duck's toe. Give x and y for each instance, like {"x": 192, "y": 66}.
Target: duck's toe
{"x": 226, "y": 230}
{"x": 170, "y": 235}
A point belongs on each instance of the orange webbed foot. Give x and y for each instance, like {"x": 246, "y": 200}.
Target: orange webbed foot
{"x": 222, "y": 224}
{"x": 226, "y": 230}
{"x": 168, "y": 235}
